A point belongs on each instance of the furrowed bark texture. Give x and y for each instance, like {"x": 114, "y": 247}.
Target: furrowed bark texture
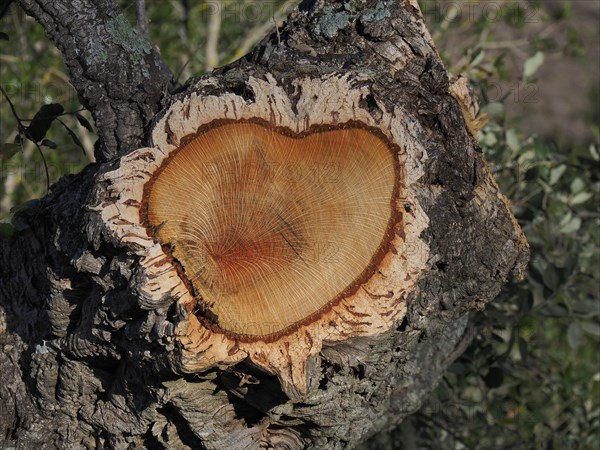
{"x": 117, "y": 72}
{"x": 86, "y": 363}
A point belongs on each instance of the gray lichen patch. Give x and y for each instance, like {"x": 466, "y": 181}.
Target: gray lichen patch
{"x": 379, "y": 12}
{"x": 127, "y": 37}
{"x": 332, "y": 21}
{"x": 97, "y": 54}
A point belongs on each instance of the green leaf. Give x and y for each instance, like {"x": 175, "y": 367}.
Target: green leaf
{"x": 84, "y": 122}
{"x": 571, "y": 226}
{"x": 556, "y": 173}
{"x": 493, "y": 109}
{"x": 577, "y": 185}
{"x": 512, "y": 140}
{"x": 526, "y": 160}
{"x": 566, "y": 219}
{"x": 550, "y": 277}
{"x": 532, "y": 65}
{"x": 74, "y": 137}
{"x": 594, "y": 153}
{"x": 582, "y": 197}
{"x": 547, "y": 188}
{"x": 523, "y": 349}
{"x": 48, "y": 143}
{"x": 585, "y": 307}
{"x": 537, "y": 292}
{"x": 556, "y": 310}
{"x": 39, "y": 126}
{"x": 574, "y": 335}
{"x": 489, "y": 139}
{"x": 494, "y": 377}
{"x": 591, "y": 328}
{"x": 8, "y": 150}
{"x": 478, "y": 57}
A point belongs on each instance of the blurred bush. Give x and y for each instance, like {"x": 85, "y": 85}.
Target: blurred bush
{"x": 531, "y": 377}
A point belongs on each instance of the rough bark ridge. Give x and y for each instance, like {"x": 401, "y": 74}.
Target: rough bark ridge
{"x": 86, "y": 363}
{"x": 117, "y": 72}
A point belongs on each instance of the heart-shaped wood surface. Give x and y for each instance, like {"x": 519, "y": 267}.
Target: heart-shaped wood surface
{"x": 270, "y": 227}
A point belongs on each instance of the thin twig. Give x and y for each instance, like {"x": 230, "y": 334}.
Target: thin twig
{"x": 185, "y": 22}
{"x": 45, "y": 166}
{"x": 463, "y": 344}
{"x": 23, "y": 130}
{"x": 277, "y": 30}
{"x": 77, "y": 140}
{"x": 259, "y": 31}
{"x": 142, "y": 20}
{"x": 212, "y": 39}
{"x": 183, "y": 9}
{"x": 181, "y": 69}
{"x": 10, "y": 103}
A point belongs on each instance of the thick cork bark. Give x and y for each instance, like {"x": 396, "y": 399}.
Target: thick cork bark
{"x": 352, "y": 293}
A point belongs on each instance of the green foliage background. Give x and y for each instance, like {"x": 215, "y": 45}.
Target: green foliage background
{"x": 531, "y": 377}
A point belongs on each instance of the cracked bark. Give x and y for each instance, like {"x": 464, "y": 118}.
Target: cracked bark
{"x": 118, "y": 74}
{"x": 85, "y": 364}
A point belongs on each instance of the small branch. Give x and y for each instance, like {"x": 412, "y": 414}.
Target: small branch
{"x": 10, "y": 104}
{"x": 45, "y": 166}
{"x": 462, "y": 345}
{"x": 185, "y": 22}
{"x": 118, "y": 74}
{"x": 142, "y": 20}
{"x": 212, "y": 40}
{"x": 258, "y": 32}
{"x": 183, "y": 9}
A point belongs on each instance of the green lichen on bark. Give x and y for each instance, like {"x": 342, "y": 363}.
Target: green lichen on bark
{"x": 97, "y": 55}
{"x": 334, "y": 18}
{"x": 379, "y": 12}
{"x": 127, "y": 37}
{"x": 332, "y": 21}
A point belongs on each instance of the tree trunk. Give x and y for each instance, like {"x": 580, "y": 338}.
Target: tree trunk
{"x": 105, "y": 347}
